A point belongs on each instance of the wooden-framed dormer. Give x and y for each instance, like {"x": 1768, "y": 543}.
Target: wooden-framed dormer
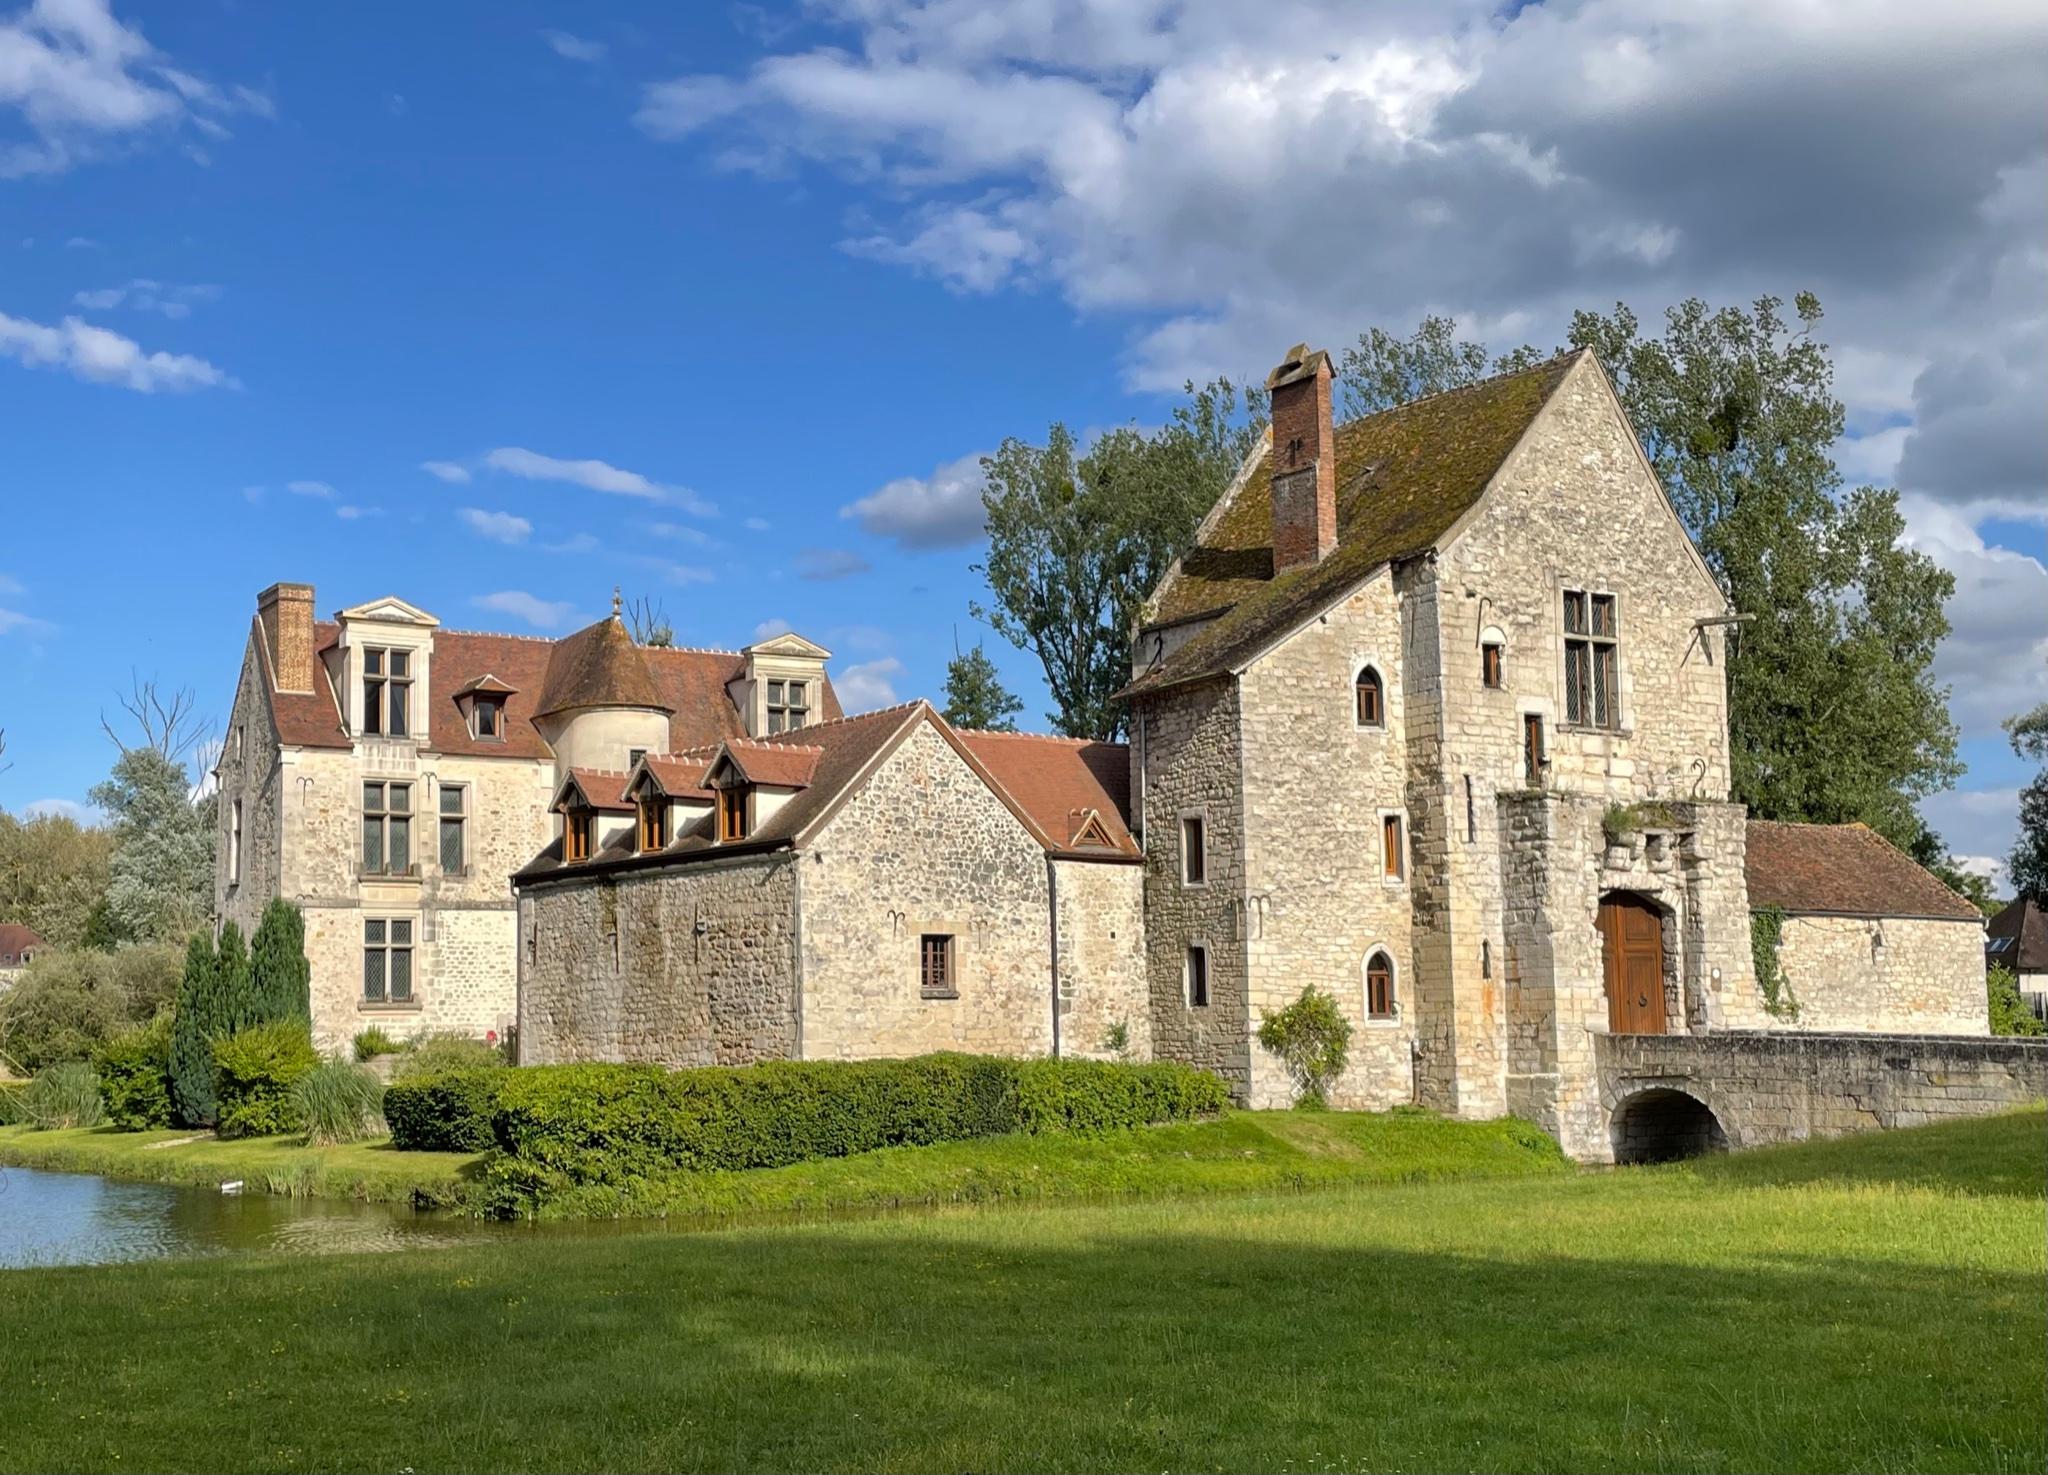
{"x": 482, "y": 704}
{"x": 751, "y": 780}
{"x": 594, "y": 811}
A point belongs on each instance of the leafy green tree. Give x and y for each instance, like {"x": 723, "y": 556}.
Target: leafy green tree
{"x": 1833, "y": 711}
{"x": 1381, "y": 371}
{"x": 1077, "y": 541}
{"x": 976, "y": 698}
{"x": 69, "y": 1002}
{"x": 1313, "y": 1040}
{"x": 2028, "y": 865}
{"x": 53, "y": 877}
{"x": 2009, "y": 1012}
{"x": 160, "y": 879}
{"x": 201, "y": 1017}
{"x": 280, "y": 977}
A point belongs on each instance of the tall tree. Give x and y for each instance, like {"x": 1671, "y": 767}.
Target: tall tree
{"x": 160, "y": 880}
{"x": 53, "y": 877}
{"x": 1834, "y": 715}
{"x": 1381, "y": 371}
{"x": 198, "y": 1020}
{"x": 976, "y": 698}
{"x": 2028, "y": 866}
{"x": 280, "y": 977}
{"x": 1077, "y": 541}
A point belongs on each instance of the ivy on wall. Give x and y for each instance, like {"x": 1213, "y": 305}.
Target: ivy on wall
{"x": 1766, "y": 930}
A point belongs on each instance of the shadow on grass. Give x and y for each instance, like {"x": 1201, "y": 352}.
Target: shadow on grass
{"x": 2004, "y": 1155}
{"x": 1285, "y": 1339}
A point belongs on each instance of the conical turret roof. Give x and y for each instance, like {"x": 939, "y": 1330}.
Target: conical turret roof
{"x": 598, "y": 666}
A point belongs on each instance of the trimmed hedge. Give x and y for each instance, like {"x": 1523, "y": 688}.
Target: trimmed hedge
{"x": 444, "y": 1113}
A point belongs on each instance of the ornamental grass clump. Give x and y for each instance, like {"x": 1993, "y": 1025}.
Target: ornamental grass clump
{"x": 339, "y": 1101}
{"x": 1313, "y": 1040}
{"x": 63, "y": 1095}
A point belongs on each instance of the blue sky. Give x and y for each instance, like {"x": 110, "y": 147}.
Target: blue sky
{"x": 498, "y": 306}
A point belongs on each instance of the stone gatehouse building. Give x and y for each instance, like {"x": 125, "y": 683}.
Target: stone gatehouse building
{"x": 1432, "y": 715}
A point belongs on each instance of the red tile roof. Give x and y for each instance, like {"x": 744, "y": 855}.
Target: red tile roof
{"x": 16, "y": 939}
{"x": 602, "y": 788}
{"x": 1846, "y": 871}
{"x": 780, "y": 765}
{"x": 598, "y": 666}
{"x": 2023, "y": 928}
{"x": 678, "y": 775}
{"x": 1059, "y": 782}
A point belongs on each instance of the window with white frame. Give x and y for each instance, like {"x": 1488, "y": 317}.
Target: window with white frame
{"x": 387, "y": 692}
{"x": 387, "y": 960}
{"x": 789, "y": 705}
{"x": 1592, "y": 652}
{"x": 387, "y": 828}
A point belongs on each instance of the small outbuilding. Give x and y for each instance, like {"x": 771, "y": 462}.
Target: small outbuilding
{"x": 1868, "y": 939}
{"x": 2017, "y": 938}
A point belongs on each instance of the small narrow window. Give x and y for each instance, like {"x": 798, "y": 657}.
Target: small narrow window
{"x": 1485, "y": 958}
{"x": 653, "y": 823}
{"x": 387, "y": 960}
{"x": 241, "y": 733}
{"x": 1532, "y": 749}
{"x": 1393, "y": 860}
{"x": 1194, "y": 851}
{"x": 633, "y": 757}
{"x": 1379, "y": 986}
{"x": 579, "y": 828}
{"x": 1489, "y": 665}
{"x": 454, "y": 822}
{"x": 235, "y": 845}
{"x": 1471, "y": 813}
{"x": 732, "y": 813}
{"x": 935, "y": 977}
{"x": 1371, "y": 698}
{"x": 1198, "y": 976}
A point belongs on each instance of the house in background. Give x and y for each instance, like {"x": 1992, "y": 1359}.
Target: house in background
{"x": 18, "y": 947}
{"x": 389, "y": 776}
{"x": 1870, "y": 939}
{"x": 2017, "y": 938}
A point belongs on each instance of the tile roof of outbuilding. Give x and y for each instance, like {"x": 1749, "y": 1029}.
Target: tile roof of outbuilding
{"x": 2025, "y": 923}
{"x": 16, "y": 939}
{"x": 1844, "y": 871}
{"x": 1059, "y": 782}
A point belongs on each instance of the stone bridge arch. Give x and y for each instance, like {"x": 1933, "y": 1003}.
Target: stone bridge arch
{"x": 1663, "y": 1123}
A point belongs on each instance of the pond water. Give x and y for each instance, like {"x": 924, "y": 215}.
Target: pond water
{"x": 80, "y": 1219}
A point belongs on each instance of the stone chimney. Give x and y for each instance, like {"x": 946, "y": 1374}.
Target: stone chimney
{"x": 1304, "y": 460}
{"x": 286, "y": 614}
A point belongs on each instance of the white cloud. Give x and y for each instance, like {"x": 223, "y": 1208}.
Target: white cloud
{"x": 942, "y": 510}
{"x": 101, "y": 356}
{"x": 758, "y": 525}
{"x": 499, "y": 527}
{"x": 1978, "y": 825}
{"x": 574, "y": 543}
{"x": 448, "y": 471}
{"x": 823, "y": 565}
{"x": 542, "y": 614}
{"x": 597, "y": 476}
{"x": 868, "y": 685}
{"x": 70, "y": 809}
{"x": 1995, "y": 657}
{"x": 682, "y": 533}
{"x": 769, "y": 629}
{"x": 309, "y": 489}
{"x": 574, "y": 48}
{"x": 349, "y": 512}
{"x": 12, "y": 620}
{"x": 144, "y": 295}
{"x": 84, "y": 83}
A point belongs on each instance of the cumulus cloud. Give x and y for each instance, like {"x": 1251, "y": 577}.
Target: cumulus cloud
{"x": 542, "y": 614}
{"x": 868, "y": 685}
{"x": 1995, "y": 659}
{"x": 596, "y": 476}
{"x": 822, "y": 565}
{"x": 101, "y": 356}
{"x": 318, "y": 489}
{"x": 83, "y": 83}
{"x": 499, "y": 527}
{"x": 574, "y": 48}
{"x": 1978, "y": 826}
{"x": 13, "y": 620}
{"x": 144, "y": 295}
{"x": 769, "y": 629}
{"x": 942, "y": 510}
{"x": 349, "y": 512}
{"x": 448, "y": 471}
{"x": 70, "y": 809}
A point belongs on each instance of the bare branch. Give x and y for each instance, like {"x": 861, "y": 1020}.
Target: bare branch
{"x": 648, "y": 621}
{"x": 169, "y": 722}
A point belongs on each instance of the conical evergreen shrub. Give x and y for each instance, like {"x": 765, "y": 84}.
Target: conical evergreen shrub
{"x": 192, "y": 1034}
{"x": 280, "y": 978}
{"x": 232, "y": 1006}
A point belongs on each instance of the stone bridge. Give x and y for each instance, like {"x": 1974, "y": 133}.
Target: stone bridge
{"x": 1667, "y": 1096}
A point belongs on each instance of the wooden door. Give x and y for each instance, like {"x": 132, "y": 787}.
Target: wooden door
{"x": 1632, "y": 939}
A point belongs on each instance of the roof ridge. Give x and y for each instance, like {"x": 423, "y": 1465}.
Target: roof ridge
{"x": 1036, "y": 737}
{"x": 842, "y": 721}
{"x": 755, "y": 742}
{"x": 497, "y": 635}
{"x": 1423, "y": 399}
{"x": 696, "y": 650}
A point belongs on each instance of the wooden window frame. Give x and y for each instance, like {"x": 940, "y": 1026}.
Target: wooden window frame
{"x": 579, "y": 833}
{"x": 787, "y": 700}
{"x": 1393, "y": 847}
{"x": 1369, "y": 698}
{"x": 1382, "y": 998}
{"x": 455, "y": 821}
{"x": 652, "y": 823}
{"x": 1195, "y": 980}
{"x": 1492, "y": 663}
{"x": 382, "y": 940}
{"x": 387, "y": 689}
{"x": 938, "y": 972}
{"x": 1194, "y": 850}
{"x": 386, "y": 821}
{"x": 732, "y": 813}
{"x": 1592, "y": 659}
{"x": 1535, "y": 755}
{"x": 479, "y": 706}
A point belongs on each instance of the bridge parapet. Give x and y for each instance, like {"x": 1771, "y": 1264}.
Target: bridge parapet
{"x": 1777, "y": 1086}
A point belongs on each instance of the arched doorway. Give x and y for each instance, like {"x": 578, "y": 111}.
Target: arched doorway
{"x": 1632, "y": 950}
{"x": 1661, "y": 1125}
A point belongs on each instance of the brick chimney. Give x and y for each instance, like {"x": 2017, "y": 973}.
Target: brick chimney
{"x": 1304, "y": 460}
{"x": 286, "y": 614}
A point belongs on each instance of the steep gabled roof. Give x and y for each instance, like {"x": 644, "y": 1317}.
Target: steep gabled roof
{"x": 677, "y": 775}
{"x": 780, "y": 764}
{"x": 598, "y": 666}
{"x": 1061, "y": 783}
{"x": 1843, "y": 871}
{"x": 599, "y": 788}
{"x": 1404, "y": 478}
{"x": 2023, "y": 927}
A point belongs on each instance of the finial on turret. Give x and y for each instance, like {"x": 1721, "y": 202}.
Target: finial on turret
{"x": 617, "y": 604}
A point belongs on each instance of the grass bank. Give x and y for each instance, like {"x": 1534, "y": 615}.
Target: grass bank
{"x": 1794, "y": 1309}
{"x": 366, "y": 1171}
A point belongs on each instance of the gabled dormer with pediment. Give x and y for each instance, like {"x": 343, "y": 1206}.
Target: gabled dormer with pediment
{"x": 381, "y": 667}
{"x": 781, "y": 685}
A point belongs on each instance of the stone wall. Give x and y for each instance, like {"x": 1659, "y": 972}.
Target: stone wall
{"x": 691, "y": 965}
{"x": 1317, "y": 786}
{"x": 923, "y": 847}
{"x": 1191, "y": 757}
{"x": 1771, "y": 1087}
{"x": 250, "y": 771}
{"x": 1102, "y": 958}
{"x": 1928, "y": 978}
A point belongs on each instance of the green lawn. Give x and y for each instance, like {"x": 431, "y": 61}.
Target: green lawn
{"x": 1878, "y": 1304}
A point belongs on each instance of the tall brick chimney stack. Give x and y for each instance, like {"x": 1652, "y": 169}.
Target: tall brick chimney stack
{"x": 1304, "y": 460}
{"x": 286, "y": 614}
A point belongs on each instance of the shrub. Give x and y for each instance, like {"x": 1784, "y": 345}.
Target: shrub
{"x": 444, "y": 1113}
{"x": 1313, "y": 1040}
{"x": 135, "y": 1076}
{"x": 1104, "y": 1096}
{"x": 2009, "y": 1012}
{"x": 339, "y": 1101}
{"x": 63, "y": 1095}
{"x": 372, "y": 1042}
{"x": 67, "y": 1004}
{"x": 11, "y": 1093}
{"x": 280, "y": 978}
{"x": 258, "y": 1070}
{"x": 437, "y": 1054}
{"x": 198, "y": 1021}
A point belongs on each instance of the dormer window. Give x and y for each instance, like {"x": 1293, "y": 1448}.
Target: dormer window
{"x": 789, "y": 705}
{"x": 732, "y": 813}
{"x": 487, "y": 719}
{"x": 653, "y": 823}
{"x": 579, "y": 829}
{"x": 387, "y": 691}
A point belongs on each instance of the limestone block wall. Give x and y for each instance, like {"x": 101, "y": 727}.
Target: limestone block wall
{"x": 923, "y": 847}
{"x": 1317, "y": 785}
{"x": 250, "y": 772}
{"x": 1927, "y": 979}
{"x": 1102, "y": 958}
{"x": 1190, "y": 752}
{"x": 691, "y": 965}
